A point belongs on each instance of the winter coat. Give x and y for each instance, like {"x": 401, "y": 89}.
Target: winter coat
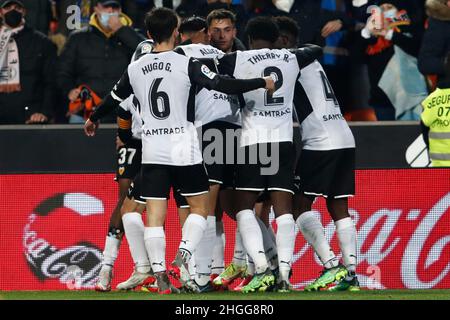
{"x": 311, "y": 18}
{"x": 93, "y": 58}
{"x": 434, "y": 55}
{"x": 378, "y": 56}
{"x": 37, "y": 56}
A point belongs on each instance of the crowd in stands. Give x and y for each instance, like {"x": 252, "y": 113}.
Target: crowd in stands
{"x": 381, "y": 63}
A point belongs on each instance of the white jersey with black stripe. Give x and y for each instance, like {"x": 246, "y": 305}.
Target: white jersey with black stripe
{"x": 132, "y": 105}
{"x": 322, "y": 125}
{"x": 161, "y": 83}
{"x": 267, "y": 118}
{"x": 211, "y": 105}
{"x": 165, "y": 84}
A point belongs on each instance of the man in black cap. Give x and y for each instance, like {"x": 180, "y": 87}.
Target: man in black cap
{"x": 97, "y": 55}
{"x": 27, "y": 74}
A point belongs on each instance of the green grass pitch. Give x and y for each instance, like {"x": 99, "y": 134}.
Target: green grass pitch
{"x": 296, "y": 295}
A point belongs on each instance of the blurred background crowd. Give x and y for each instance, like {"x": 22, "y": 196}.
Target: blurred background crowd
{"x": 56, "y": 53}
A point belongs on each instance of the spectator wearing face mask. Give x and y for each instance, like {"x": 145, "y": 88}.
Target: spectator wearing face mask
{"x": 27, "y": 57}
{"x": 97, "y": 56}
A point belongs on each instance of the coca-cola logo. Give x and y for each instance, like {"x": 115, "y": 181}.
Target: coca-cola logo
{"x": 396, "y": 247}
{"x": 69, "y": 256}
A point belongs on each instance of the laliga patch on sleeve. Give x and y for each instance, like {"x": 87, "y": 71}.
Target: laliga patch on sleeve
{"x": 147, "y": 48}
{"x": 207, "y": 72}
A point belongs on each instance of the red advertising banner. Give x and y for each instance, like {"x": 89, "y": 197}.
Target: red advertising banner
{"x": 53, "y": 226}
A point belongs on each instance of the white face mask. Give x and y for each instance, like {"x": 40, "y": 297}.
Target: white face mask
{"x": 390, "y": 14}
{"x": 104, "y": 18}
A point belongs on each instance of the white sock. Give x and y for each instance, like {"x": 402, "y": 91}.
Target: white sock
{"x": 285, "y": 243}
{"x": 204, "y": 251}
{"x": 346, "y": 233}
{"x": 240, "y": 254}
{"x": 155, "y": 243}
{"x": 250, "y": 266}
{"x": 110, "y": 253}
{"x": 313, "y": 231}
{"x": 193, "y": 231}
{"x": 270, "y": 247}
{"x": 252, "y": 238}
{"x": 191, "y": 266}
{"x": 134, "y": 231}
{"x": 218, "y": 263}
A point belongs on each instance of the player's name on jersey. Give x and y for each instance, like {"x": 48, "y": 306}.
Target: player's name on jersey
{"x": 163, "y": 131}
{"x": 336, "y": 116}
{"x": 165, "y": 66}
{"x": 225, "y": 97}
{"x": 210, "y": 51}
{"x": 272, "y": 113}
{"x": 269, "y": 55}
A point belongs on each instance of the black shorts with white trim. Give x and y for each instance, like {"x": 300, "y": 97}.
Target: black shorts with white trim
{"x": 157, "y": 179}
{"x": 273, "y": 173}
{"x": 330, "y": 173}
{"x": 134, "y": 193}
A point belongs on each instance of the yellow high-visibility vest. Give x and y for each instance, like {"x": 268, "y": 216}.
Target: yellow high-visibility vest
{"x": 436, "y": 116}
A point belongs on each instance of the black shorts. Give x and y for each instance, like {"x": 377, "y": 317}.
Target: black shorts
{"x": 157, "y": 180}
{"x": 330, "y": 174}
{"x": 251, "y": 177}
{"x": 222, "y": 171}
{"x": 129, "y": 158}
{"x": 134, "y": 192}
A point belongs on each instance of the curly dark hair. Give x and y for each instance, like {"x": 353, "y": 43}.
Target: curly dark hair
{"x": 262, "y": 28}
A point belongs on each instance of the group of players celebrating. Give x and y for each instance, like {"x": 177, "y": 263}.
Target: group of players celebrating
{"x": 188, "y": 82}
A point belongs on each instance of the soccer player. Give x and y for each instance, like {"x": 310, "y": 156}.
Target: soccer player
{"x": 128, "y": 165}
{"x": 214, "y": 113}
{"x": 326, "y": 168}
{"x": 129, "y": 132}
{"x": 129, "y": 128}
{"x": 133, "y": 207}
{"x": 222, "y": 30}
{"x": 221, "y": 26}
{"x": 267, "y": 126}
{"x": 193, "y": 30}
{"x": 264, "y": 205}
{"x": 165, "y": 83}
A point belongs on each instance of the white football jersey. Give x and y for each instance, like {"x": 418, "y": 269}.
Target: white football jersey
{"x": 322, "y": 125}
{"x": 132, "y": 105}
{"x": 265, "y": 118}
{"x": 211, "y": 105}
{"x": 161, "y": 83}
{"x": 165, "y": 84}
